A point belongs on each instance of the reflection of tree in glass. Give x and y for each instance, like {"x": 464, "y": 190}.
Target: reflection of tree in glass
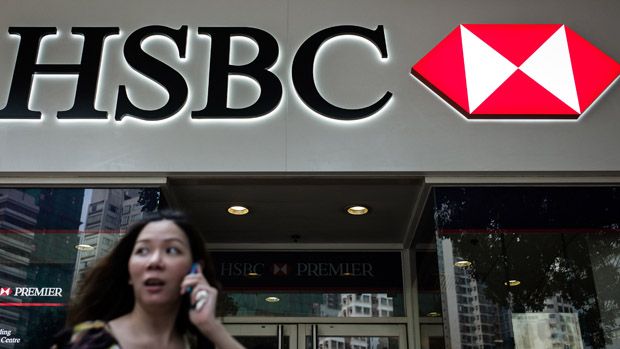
{"x": 581, "y": 266}
{"x": 226, "y": 305}
{"x": 537, "y": 261}
{"x": 149, "y": 199}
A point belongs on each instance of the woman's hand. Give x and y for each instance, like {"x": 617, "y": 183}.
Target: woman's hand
{"x": 203, "y": 299}
{"x": 202, "y": 313}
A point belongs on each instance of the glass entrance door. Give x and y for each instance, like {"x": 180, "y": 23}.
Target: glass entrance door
{"x": 356, "y": 336}
{"x": 319, "y": 336}
{"x": 267, "y": 336}
{"x": 431, "y": 336}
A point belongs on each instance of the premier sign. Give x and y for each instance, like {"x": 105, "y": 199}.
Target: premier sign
{"x": 88, "y": 73}
{"x": 303, "y": 269}
{"x": 38, "y": 292}
{"x": 31, "y": 292}
{"x": 319, "y": 271}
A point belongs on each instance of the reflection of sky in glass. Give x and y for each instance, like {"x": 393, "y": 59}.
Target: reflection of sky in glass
{"x": 87, "y": 199}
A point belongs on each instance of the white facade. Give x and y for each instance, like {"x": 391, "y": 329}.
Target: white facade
{"x": 415, "y": 132}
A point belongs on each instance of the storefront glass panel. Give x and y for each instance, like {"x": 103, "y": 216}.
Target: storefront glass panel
{"x": 358, "y": 336}
{"x": 48, "y": 238}
{"x": 429, "y": 295}
{"x": 312, "y": 304}
{"x": 366, "y": 342}
{"x": 313, "y": 284}
{"x": 529, "y": 267}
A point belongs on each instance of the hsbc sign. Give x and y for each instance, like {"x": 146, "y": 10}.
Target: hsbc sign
{"x": 31, "y": 292}
{"x": 309, "y": 270}
{"x": 486, "y": 71}
{"x": 271, "y": 91}
{"x": 517, "y": 71}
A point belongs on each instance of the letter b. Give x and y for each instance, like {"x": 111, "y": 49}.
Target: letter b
{"x": 220, "y": 69}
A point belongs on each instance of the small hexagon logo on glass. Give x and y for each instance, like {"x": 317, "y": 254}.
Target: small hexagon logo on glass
{"x": 517, "y": 71}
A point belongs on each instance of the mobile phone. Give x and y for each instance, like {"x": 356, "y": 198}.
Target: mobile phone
{"x": 194, "y": 270}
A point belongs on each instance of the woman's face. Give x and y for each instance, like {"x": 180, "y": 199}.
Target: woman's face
{"x": 160, "y": 259}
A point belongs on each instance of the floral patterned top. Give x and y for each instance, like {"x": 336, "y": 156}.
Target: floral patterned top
{"x": 90, "y": 335}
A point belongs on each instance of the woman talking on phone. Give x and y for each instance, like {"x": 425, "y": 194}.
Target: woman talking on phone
{"x": 156, "y": 289}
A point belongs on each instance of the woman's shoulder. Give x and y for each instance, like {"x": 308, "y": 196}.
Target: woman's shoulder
{"x": 89, "y": 334}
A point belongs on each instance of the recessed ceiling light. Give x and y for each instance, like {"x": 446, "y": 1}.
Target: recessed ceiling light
{"x": 512, "y": 283}
{"x": 462, "y": 264}
{"x": 238, "y": 210}
{"x": 357, "y": 210}
{"x": 252, "y": 274}
{"x": 433, "y": 314}
{"x": 272, "y": 299}
{"x": 84, "y": 247}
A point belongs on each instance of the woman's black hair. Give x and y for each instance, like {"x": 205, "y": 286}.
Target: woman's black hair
{"x": 105, "y": 293}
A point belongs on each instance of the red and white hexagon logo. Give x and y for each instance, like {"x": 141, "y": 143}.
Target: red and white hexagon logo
{"x": 517, "y": 71}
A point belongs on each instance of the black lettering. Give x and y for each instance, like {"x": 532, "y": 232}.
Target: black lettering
{"x": 368, "y": 270}
{"x": 226, "y": 269}
{"x": 238, "y": 270}
{"x": 220, "y": 69}
{"x": 303, "y": 72}
{"x": 163, "y": 74}
{"x": 26, "y": 66}
{"x": 302, "y": 268}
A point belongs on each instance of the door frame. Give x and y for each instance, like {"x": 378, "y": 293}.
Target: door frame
{"x": 265, "y": 330}
{"x": 297, "y": 332}
{"x": 354, "y": 330}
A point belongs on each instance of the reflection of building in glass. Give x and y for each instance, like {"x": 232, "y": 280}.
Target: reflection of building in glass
{"x": 356, "y": 305}
{"x": 110, "y": 212}
{"x": 331, "y": 343}
{"x": 547, "y": 330}
{"x": 53, "y": 258}
{"x": 551, "y": 242}
{"x": 132, "y": 209}
{"x": 475, "y": 321}
{"x": 366, "y": 305}
{"x": 304, "y": 304}
{"x": 330, "y": 307}
{"x": 353, "y": 342}
{"x": 18, "y": 219}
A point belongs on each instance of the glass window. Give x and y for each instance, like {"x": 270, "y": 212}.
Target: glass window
{"x": 321, "y": 284}
{"x": 355, "y": 342}
{"x": 39, "y": 231}
{"x": 301, "y": 304}
{"x": 544, "y": 264}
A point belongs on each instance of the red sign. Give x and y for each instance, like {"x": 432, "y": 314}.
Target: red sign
{"x": 517, "y": 71}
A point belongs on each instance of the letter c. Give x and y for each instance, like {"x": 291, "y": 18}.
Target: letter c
{"x": 303, "y": 72}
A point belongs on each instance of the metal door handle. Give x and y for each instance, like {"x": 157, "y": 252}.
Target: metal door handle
{"x": 280, "y": 334}
{"x": 315, "y": 337}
